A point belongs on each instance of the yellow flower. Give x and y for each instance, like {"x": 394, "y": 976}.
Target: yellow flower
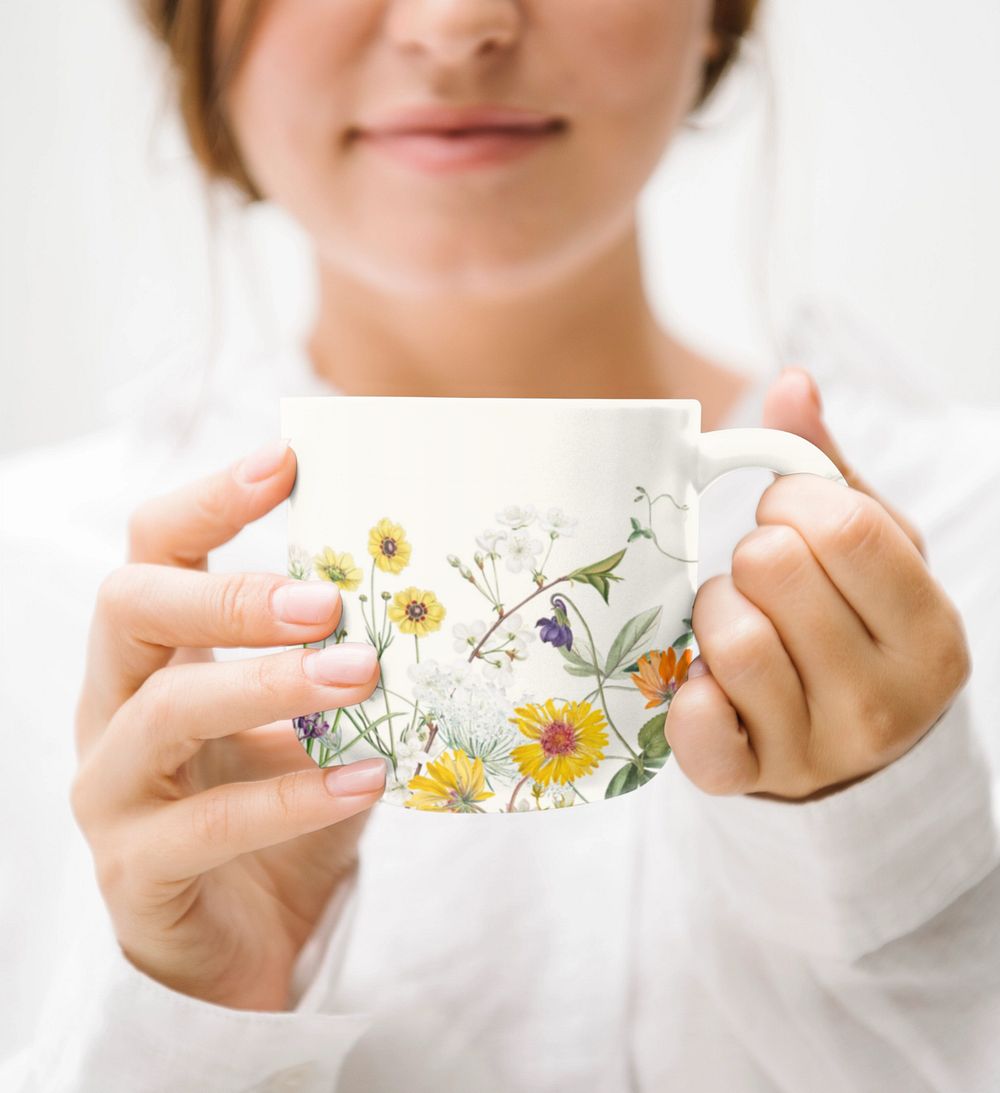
{"x": 660, "y": 674}
{"x": 416, "y": 611}
{"x": 450, "y": 784}
{"x": 388, "y": 546}
{"x": 567, "y": 741}
{"x": 338, "y": 567}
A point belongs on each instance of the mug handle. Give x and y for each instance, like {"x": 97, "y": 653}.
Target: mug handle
{"x": 772, "y": 449}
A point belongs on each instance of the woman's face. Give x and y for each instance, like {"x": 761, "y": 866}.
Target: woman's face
{"x": 462, "y": 146}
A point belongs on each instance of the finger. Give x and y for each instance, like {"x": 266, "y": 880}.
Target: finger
{"x": 208, "y": 829}
{"x": 794, "y": 403}
{"x": 145, "y": 612}
{"x": 179, "y": 708}
{"x": 708, "y": 740}
{"x": 826, "y": 642}
{"x": 181, "y": 527}
{"x": 261, "y": 752}
{"x": 740, "y": 646}
{"x": 869, "y": 558}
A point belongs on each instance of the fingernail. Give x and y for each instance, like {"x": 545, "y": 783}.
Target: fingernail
{"x": 305, "y": 601}
{"x": 263, "y": 462}
{"x": 361, "y": 777}
{"x": 347, "y": 662}
{"x": 697, "y": 668}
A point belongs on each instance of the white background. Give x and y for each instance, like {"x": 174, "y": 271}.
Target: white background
{"x": 854, "y": 159}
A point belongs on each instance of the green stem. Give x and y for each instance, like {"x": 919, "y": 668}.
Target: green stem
{"x": 531, "y": 595}
{"x": 510, "y": 806}
{"x": 541, "y": 568}
{"x": 656, "y": 541}
{"x": 600, "y": 681}
{"x": 496, "y": 581}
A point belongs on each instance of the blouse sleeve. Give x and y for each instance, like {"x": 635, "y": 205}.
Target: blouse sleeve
{"x": 75, "y": 1014}
{"x": 107, "y": 1025}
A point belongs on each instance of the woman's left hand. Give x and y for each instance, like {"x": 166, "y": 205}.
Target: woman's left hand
{"x": 830, "y": 650}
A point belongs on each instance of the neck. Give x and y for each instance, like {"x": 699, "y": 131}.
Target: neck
{"x": 592, "y": 334}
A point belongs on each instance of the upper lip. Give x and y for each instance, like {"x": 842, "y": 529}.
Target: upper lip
{"x": 433, "y": 118}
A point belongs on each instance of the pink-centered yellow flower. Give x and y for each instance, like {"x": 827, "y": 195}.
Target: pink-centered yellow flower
{"x": 388, "y": 546}
{"x": 339, "y": 567}
{"x": 566, "y": 741}
{"x": 450, "y": 783}
{"x": 416, "y": 611}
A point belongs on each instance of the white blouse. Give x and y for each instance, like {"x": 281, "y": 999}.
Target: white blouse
{"x": 664, "y": 940}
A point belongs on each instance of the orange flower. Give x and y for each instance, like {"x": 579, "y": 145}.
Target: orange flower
{"x": 660, "y": 674}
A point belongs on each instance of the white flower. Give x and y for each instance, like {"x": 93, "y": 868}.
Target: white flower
{"x": 521, "y": 550}
{"x": 489, "y": 539}
{"x": 395, "y": 792}
{"x": 299, "y": 562}
{"x": 466, "y": 636}
{"x": 497, "y": 666}
{"x": 515, "y": 633}
{"x": 517, "y": 516}
{"x": 555, "y": 520}
{"x": 434, "y": 682}
{"x": 522, "y": 805}
{"x": 475, "y": 719}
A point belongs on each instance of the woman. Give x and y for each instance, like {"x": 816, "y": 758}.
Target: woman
{"x": 805, "y": 899}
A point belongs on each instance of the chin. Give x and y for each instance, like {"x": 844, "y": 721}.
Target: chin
{"x": 474, "y": 268}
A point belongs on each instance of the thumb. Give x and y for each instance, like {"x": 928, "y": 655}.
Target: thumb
{"x": 794, "y": 405}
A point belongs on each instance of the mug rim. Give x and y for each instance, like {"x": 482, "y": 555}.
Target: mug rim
{"x": 612, "y": 403}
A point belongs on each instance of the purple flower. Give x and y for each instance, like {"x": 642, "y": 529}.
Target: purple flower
{"x": 311, "y": 726}
{"x": 556, "y": 631}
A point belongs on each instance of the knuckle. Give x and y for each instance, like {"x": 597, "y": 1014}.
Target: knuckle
{"x": 236, "y": 596}
{"x": 117, "y": 588}
{"x": 880, "y": 718}
{"x": 742, "y": 648}
{"x": 141, "y": 528}
{"x": 81, "y": 799}
{"x": 775, "y": 553}
{"x": 862, "y": 528}
{"x": 268, "y": 677}
{"x": 213, "y": 502}
{"x": 212, "y": 819}
{"x": 286, "y": 792}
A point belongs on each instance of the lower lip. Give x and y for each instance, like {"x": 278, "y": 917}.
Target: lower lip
{"x": 444, "y": 154}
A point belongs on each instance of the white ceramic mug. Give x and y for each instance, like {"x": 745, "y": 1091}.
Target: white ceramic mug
{"x": 525, "y": 569}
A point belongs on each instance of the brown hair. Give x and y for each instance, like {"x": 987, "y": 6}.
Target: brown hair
{"x": 188, "y": 30}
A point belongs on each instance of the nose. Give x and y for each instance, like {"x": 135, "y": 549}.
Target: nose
{"x": 453, "y": 31}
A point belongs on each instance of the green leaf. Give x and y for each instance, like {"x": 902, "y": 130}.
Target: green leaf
{"x": 632, "y": 636}
{"x": 654, "y": 763}
{"x": 577, "y": 666}
{"x": 576, "y": 670}
{"x": 599, "y": 574}
{"x": 624, "y": 781}
{"x": 651, "y": 738}
{"x": 681, "y": 643}
{"x": 647, "y": 775}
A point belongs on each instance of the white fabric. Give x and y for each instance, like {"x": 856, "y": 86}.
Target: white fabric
{"x": 664, "y": 939}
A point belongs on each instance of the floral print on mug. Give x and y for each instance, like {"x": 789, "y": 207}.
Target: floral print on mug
{"x": 454, "y": 735}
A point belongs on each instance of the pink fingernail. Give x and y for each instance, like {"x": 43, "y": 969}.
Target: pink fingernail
{"x": 346, "y": 662}
{"x": 363, "y": 777}
{"x": 697, "y": 668}
{"x": 263, "y": 462}
{"x": 305, "y": 601}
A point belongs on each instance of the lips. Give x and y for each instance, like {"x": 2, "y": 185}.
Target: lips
{"x": 451, "y": 120}
{"x": 441, "y": 138}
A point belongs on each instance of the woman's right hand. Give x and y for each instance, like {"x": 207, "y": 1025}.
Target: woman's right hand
{"x": 216, "y": 839}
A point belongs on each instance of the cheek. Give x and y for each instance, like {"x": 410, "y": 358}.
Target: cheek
{"x": 295, "y": 88}
{"x": 639, "y": 55}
